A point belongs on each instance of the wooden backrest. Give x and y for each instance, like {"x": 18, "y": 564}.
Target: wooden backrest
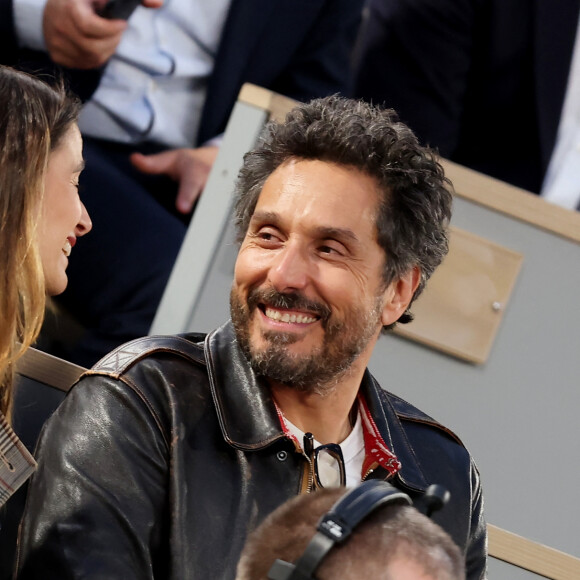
{"x": 41, "y": 383}
{"x": 532, "y": 556}
{"x": 47, "y": 369}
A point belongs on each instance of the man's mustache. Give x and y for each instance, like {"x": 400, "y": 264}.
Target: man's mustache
{"x": 290, "y": 301}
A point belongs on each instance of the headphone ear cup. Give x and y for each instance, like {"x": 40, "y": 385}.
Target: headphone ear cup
{"x": 433, "y": 499}
{"x": 281, "y": 570}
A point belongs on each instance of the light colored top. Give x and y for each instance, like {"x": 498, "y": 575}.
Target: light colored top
{"x": 353, "y": 452}
{"x": 154, "y": 87}
{"x": 562, "y": 181}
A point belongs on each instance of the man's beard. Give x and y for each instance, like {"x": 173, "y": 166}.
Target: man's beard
{"x": 318, "y": 371}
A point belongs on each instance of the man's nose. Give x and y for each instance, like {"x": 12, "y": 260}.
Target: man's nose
{"x": 291, "y": 269}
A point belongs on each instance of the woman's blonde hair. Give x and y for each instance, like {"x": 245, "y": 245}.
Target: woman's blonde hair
{"x": 34, "y": 117}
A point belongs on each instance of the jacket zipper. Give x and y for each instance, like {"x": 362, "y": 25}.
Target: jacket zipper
{"x": 309, "y": 441}
{"x": 370, "y": 470}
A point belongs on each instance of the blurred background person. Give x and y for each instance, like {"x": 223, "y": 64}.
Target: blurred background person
{"x": 394, "y": 542}
{"x": 493, "y": 84}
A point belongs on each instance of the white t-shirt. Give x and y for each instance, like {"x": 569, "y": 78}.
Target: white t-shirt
{"x": 353, "y": 452}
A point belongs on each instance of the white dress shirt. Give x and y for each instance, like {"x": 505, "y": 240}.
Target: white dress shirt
{"x": 154, "y": 87}
{"x": 562, "y": 181}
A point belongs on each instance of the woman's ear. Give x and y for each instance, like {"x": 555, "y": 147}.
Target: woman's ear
{"x": 399, "y": 294}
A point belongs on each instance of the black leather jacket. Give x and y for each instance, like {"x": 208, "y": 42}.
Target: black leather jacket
{"x": 163, "y": 456}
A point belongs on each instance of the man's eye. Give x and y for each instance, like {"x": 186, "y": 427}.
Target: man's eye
{"x": 268, "y": 236}
{"x": 327, "y": 250}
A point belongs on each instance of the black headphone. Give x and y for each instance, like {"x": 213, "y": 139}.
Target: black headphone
{"x": 336, "y": 525}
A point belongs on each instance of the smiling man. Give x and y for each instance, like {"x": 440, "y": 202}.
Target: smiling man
{"x": 165, "y": 455}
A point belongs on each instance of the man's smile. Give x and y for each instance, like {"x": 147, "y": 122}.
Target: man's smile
{"x": 283, "y": 310}
{"x": 288, "y": 315}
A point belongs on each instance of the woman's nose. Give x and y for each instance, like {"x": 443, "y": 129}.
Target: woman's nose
{"x": 85, "y": 224}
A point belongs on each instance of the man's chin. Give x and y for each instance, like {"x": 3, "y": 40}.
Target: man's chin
{"x": 294, "y": 346}
{"x": 273, "y": 337}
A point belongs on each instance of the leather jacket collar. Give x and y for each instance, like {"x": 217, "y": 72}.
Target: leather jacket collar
{"x": 248, "y": 419}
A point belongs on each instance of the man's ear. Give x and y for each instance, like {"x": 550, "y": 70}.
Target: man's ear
{"x": 399, "y": 294}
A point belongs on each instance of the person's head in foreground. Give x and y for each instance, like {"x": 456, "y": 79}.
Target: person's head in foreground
{"x": 41, "y": 215}
{"x": 342, "y": 218}
{"x": 394, "y": 542}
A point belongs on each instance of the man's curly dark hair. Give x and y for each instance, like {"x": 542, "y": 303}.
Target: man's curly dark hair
{"x": 415, "y": 206}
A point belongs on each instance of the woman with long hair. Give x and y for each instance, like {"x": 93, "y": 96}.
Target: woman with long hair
{"x": 41, "y": 215}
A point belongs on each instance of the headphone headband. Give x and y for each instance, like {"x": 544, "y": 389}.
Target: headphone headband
{"x": 336, "y": 526}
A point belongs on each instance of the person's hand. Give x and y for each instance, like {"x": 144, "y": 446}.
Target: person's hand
{"x": 189, "y": 167}
{"x": 77, "y": 37}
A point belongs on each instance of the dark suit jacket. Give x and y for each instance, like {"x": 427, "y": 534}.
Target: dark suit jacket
{"x": 300, "y": 48}
{"x": 482, "y": 80}
{"x": 83, "y": 83}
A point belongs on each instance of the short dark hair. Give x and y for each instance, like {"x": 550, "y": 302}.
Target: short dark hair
{"x": 392, "y": 532}
{"x": 415, "y": 205}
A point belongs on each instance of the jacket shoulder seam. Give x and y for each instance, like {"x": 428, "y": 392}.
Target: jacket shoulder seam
{"x": 120, "y": 360}
{"x": 417, "y": 416}
{"x": 431, "y": 423}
